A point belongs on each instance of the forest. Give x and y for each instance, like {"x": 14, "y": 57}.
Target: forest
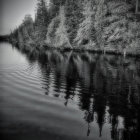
{"x": 97, "y": 25}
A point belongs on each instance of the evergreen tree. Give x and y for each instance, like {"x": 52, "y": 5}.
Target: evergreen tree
{"x": 24, "y": 33}
{"x": 42, "y": 20}
{"x": 117, "y": 22}
{"x": 58, "y": 2}
{"x": 50, "y": 37}
{"x": 86, "y": 31}
{"x": 61, "y": 32}
{"x": 42, "y": 14}
{"x": 73, "y": 17}
{"x": 57, "y": 32}
{"x": 101, "y": 11}
{"x": 54, "y": 6}
{"x": 29, "y": 24}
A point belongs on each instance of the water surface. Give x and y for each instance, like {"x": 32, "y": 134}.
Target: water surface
{"x": 59, "y": 95}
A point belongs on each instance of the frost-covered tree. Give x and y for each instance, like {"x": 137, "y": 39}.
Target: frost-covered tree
{"x": 57, "y": 33}
{"x": 50, "y": 37}
{"x": 101, "y": 10}
{"x": 61, "y": 36}
{"x": 117, "y": 22}
{"x": 85, "y": 33}
{"x": 73, "y": 10}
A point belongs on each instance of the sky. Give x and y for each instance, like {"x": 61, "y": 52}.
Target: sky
{"x": 12, "y": 13}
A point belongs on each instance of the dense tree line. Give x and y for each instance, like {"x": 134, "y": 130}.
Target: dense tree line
{"x": 105, "y": 25}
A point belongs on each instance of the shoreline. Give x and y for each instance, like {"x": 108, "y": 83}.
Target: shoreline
{"x": 45, "y": 47}
{"x": 95, "y": 50}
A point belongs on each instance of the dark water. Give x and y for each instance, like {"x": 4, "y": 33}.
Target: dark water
{"x": 68, "y": 96}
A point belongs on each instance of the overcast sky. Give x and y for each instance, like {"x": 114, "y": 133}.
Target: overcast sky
{"x": 12, "y": 13}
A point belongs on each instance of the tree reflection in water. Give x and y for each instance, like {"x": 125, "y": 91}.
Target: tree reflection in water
{"x": 105, "y": 87}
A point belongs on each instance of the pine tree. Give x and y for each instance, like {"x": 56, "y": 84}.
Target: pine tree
{"x": 29, "y": 24}
{"x": 73, "y": 10}
{"x": 61, "y": 36}
{"x": 42, "y": 20}
{"x": 58, "y": 2}
{"x": 101, "y": 11}
{"x": 42, "y": 14}
{"x": 85, "y": 32}
{"x": 50, "y": 37}
{"x": 117, "y": 22}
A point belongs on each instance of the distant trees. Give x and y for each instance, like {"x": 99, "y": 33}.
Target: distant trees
{"x": 33, "y": 32}
{"x": 25, "y": 32}
{"x": 28, "y": 27}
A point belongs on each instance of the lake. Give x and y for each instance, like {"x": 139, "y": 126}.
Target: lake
{"x": 67, "y": 95}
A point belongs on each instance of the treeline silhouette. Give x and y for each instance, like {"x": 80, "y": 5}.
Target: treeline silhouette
{"x": 103, "y": 25}
{"x": 4, "y": 38}
{"x": 105, "y": 87}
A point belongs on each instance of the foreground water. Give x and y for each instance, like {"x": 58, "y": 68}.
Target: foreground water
{"x": 68, "y": 96}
